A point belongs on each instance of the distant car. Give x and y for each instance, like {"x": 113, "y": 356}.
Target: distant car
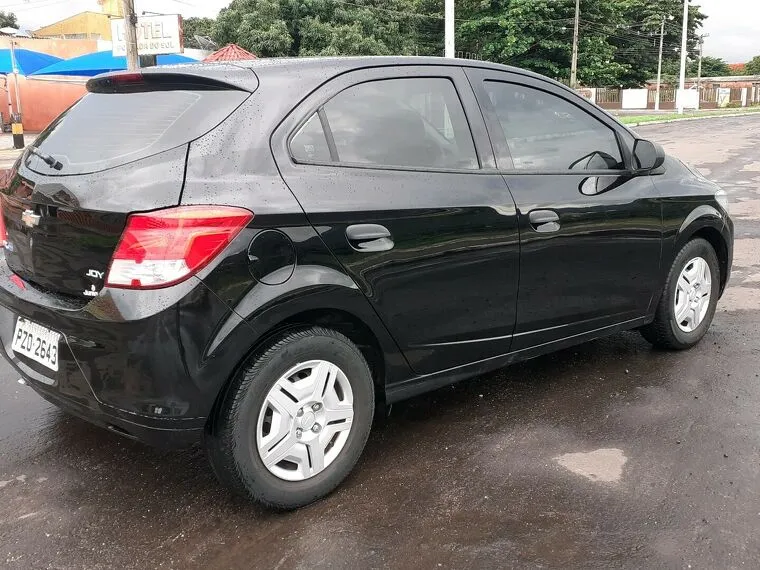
{"x": 256, "y": 255}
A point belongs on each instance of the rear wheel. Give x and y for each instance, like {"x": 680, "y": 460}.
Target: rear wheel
{"x": 295, "y": 419}
{"x": 688, "y": 302}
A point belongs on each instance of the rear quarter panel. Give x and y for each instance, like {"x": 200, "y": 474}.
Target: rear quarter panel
{"x": 223, "y": 322}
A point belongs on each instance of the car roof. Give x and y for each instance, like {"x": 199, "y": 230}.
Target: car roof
{"x": 238, "y": 73}
{"x": 346, "y": 63}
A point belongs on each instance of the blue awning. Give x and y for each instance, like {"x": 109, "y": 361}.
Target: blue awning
{"x": 99, "y": 62}
{"x": 27, "y": 61}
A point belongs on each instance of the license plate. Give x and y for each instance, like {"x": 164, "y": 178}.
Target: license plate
{"x": 36, "y": 342}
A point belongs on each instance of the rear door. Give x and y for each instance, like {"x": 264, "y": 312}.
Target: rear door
{"x": 122, "y": 148}
{"x": 394, "y": 168}
{"x": 590, "y": 231}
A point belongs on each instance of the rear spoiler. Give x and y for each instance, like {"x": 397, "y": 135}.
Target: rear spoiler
{"x": 145, "y": 81}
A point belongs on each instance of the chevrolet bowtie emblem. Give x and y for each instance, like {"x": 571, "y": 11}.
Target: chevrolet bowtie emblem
{"x": 30, "y": 219}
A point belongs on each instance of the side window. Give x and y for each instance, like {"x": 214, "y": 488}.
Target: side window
{"x": 310, "y": 144}
{"x": 546, "y": 132}
{"x": 415, "y": 122}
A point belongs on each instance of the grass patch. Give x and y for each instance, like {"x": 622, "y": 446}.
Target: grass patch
{"x": 633, "y": 119}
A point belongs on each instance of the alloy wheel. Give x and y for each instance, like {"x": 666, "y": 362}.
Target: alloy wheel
{"x": 693, "y": 292}
{"x": 305, "y": 420}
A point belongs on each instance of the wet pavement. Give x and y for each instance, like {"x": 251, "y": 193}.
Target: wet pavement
{"x": 606, "y": 455}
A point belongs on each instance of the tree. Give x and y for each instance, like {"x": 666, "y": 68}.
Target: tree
{"x": 8, "y": 20}
{"x": 711, "y": 67}
{"x": 319, "y": 27}
{"x": 637, "y": 37}
{"x": 753, "y": 66}
{"x": 192, "y": 27}
{"x": 538, "y": 34}
{"x": 618, "y": 41}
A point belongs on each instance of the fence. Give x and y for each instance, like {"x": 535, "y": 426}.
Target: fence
{"x": 609, "y": 98}
{"x": 709, "y": 97}
{"x": 667, "y": 98}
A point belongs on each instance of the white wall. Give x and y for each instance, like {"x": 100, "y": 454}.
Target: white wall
{"x": 587, "y": 93}
{"x": 199, "y": 54}
{"x": 690, "y": 98}
{"x": 635, "y": 98}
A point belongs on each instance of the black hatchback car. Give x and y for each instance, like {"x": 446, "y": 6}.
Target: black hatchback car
{"x": 254, "y": 256}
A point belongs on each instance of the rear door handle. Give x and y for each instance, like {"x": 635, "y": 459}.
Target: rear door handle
{"x": 369, "y": 237}
{"x": 544, "y": 221}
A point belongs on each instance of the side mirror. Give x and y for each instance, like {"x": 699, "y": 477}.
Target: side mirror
{"x": 647, "y": 156}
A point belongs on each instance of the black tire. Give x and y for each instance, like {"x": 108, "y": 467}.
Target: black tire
{"x": 230, "y": 437}
{"x": 664, "y": 331}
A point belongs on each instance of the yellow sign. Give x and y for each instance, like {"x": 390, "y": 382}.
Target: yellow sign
{"x": 17, "y": 129}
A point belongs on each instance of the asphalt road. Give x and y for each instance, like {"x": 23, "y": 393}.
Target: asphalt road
{"x": 607, "y": 455}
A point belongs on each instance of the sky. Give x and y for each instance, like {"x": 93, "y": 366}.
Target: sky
{"x": 734, "y": 28}
{"x": 733, "y": 25}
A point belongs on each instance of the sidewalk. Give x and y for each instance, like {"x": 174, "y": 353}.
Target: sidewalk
{"x": 8, "y": 154}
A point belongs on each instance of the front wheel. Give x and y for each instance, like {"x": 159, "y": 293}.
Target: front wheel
{"x": 295, "y": 419}
{"x": 689, "y": 299}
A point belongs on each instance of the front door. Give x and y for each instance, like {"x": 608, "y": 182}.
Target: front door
{"x": 590, "y": 231}
{"x": 394, "y": 169}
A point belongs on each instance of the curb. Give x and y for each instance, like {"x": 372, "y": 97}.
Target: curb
{"x": 666, "y": 121}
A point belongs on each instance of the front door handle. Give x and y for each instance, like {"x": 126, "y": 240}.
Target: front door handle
{"x": 544, "y": 221}
{"x": 369, "y": 237}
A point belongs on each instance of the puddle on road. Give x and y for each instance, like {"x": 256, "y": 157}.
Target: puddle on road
{"x": 602, "y": 465}
{"x": 746, "y": 252}
{"x": 740, "y": 299}
{"x": 753, "y": 167}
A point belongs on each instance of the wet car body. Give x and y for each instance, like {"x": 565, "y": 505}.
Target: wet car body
{"x": 467, "y": 284}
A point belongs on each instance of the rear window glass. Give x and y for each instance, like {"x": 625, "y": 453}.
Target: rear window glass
{"x": 106, "y": 130}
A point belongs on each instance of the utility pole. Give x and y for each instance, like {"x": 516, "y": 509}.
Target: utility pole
{"x": 574, "y": 63}
{"x": 659, "y": 66}
{"x": 699, "y": 68}
{"x": 449, "y": 29}
{"x": 684, "y": 46}
{"x": 17, "y": 125}
{"x": 130, "y": 34}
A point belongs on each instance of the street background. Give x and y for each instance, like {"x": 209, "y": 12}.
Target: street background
{"x": 609, "y": 454}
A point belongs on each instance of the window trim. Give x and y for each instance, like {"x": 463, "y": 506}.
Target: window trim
{"x": 479, "y": 76}
{"x": 327, "y": 132}
{"x": 336, "y": 163}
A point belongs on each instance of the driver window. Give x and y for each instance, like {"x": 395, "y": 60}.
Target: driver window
{"x": 415, "y": 122}
{"x": 546, "y": 132}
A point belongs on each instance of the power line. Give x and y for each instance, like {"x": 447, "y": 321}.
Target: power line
{"x": 441, "y": 16}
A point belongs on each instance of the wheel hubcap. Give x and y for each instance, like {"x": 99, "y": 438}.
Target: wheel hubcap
{"x": 692, "y": 299}
{"x": 305, "y": 420}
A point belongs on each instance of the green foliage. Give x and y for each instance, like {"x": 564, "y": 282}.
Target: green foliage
{"x": 320, "y": 27}
{"x": 753, "y": 66}
{"x": 618, "y": 45}
{"x": 711, "y": 67}
{"x": 8, "y": 19}
{"x": 619, "y": 41}
{"x": 192, "y": 27}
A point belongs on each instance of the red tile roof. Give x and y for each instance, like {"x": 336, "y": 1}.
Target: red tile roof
{"x": 231, "y": 52}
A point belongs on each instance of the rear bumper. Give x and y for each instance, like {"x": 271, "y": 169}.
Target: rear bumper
{"x": 121, "y": 364}
{"x": 164, "y": 436}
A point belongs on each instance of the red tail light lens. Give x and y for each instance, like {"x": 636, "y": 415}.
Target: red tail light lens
{"x": 166, "y": 247}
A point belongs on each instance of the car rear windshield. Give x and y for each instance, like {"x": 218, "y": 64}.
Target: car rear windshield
{"x": 103, "y": 130}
